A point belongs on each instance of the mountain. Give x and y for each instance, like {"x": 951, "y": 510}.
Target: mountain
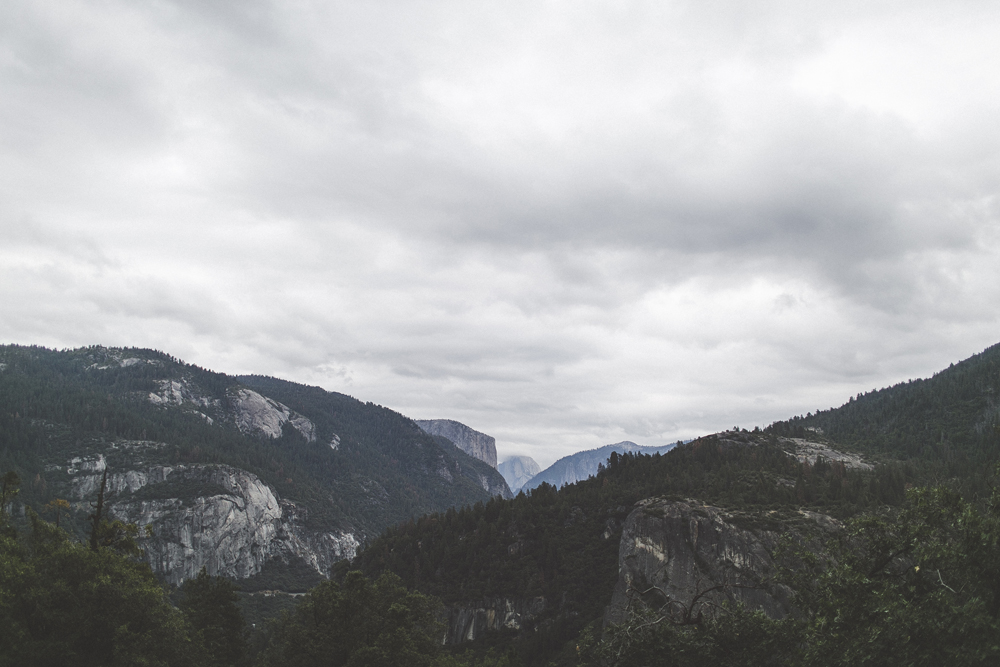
{"x": 470, "y": 441}
{"x": 517, "y": 470}
{"x": 948, "y": 424}
{"x": 807, "y": 542}
{"x": 541, "y": 567}
{"x": 696, "y": 527}
{"x": 239, "y": 475}
{"x": 575, "y": 467}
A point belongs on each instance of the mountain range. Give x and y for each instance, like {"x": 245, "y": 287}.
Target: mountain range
{"x": 230, "y": 473}
{"x": 575, "y": 467}
{"x": 259, "y": 478}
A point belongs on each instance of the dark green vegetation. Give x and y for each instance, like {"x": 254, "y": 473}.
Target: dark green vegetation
{"x": 63, "y": 602}
{"x": 917, "y": 585}
{"x": 56, "y": 405}
{"x": 68, "y": 602}
{"x": 912, "y": 578}
{"x": 948, "y": 425}
{"x": 563, "y": 545}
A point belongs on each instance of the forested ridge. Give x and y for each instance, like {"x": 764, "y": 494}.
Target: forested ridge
{"x": 950, "y": 421}
{"x": 563, "y": 544}
{"x": 56, "y": 405}
{"x": 912, "y": 577}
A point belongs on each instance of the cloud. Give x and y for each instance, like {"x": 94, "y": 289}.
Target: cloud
{"x": 565, "y": 224}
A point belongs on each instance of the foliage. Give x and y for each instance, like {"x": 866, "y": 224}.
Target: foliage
{"x": 736, "y": 638}
{"x": 918, "y": 585}
{"x": 563, "y": 544}
{"x": 948, "y": 425}
{"x": 56, "y": 405}
{"x": 210, "y": 605}
{"x": 358, "y": 623}
{"x": 64, "y": 604}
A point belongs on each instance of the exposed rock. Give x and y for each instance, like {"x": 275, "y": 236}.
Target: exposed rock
{"x": 469, "y": 622}
{"x": 232, "y": 530}
{"x": 181, "y": 392}
{"x": 472, "y": 442}
{"x": 495, "y": 486}
{"x": 517, "y": 470}
{"x": 807, "y": 450}
{"x": 256, "y": 413}
{"x": 672, "y": 551}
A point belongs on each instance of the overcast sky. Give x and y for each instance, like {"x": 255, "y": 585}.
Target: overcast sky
{"x": 564, "y": 224}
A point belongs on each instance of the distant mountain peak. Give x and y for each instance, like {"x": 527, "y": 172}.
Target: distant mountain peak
{"x": 576, "y": 467}
{"x": 517, "y": 470}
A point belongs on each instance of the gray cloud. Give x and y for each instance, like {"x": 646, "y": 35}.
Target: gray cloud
{"x": 563, "y": 224}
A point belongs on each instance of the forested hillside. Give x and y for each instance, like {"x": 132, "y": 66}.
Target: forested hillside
{"x": 874, "y": 539}
{"x": 349, "y": 465}
{"x": 948, "y": 424}
{"x": 563, "y": 545}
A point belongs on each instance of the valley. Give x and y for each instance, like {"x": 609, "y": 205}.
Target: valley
{"x": 280, "y": 488}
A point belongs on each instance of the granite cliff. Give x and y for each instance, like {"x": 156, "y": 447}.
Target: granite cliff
{"x": 213, "y": 516}
{"x": 472, "y": 442}
{"x": 685, "y": 557}
{"x": 466, "y": 623}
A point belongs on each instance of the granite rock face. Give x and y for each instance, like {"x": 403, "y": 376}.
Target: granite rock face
{"x": 213, "y": 516}
{"x": 517, "y": 470}
{"x": 469, "y": 622}
{"x": 470, "y": 441}
{"x": 672, "y": 551}
{"x": 254, "y": 412}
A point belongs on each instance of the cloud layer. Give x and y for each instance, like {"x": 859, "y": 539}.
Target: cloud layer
{"x": 564, "y": 224}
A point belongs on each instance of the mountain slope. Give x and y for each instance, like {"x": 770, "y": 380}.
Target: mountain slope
{"x": 576, "y": 467}
{"x": 950, "y": 421}
{"x": 229, "y": 472}
{"x": 544, "y": 565}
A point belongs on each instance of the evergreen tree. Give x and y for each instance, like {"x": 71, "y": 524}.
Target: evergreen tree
{"x": 210, "y": 606}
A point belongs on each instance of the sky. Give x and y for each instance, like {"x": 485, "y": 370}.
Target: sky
{"x": 565, "y": 224}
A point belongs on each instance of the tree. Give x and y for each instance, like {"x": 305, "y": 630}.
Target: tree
{"x": 62, "y": 603}
{"x": 57, "y": 505}
{"x": 920, "y": 586}
{"x": 8, "y": 489}
{"x": 359, "y": 623}
{"x": 209, "y": 604}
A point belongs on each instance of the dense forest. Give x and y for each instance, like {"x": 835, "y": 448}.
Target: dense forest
{"x": 914, "y": 584}
{"x": 563, "y": 544}
{"x": 948, "y": 425}
{"x": 911, "y": 576}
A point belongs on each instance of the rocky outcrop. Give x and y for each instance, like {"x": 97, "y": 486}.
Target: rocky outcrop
{"x": 256, "y": 413}
{"x": 217, "y": 517}
{"x": 495, "y": 485}
{"x": 469, "y": 622}
{"x": 809, "y": 451}
{"x": 517, "y": 470}
{"x": 672, "y": 552}
{"x": 472, "y": 442}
